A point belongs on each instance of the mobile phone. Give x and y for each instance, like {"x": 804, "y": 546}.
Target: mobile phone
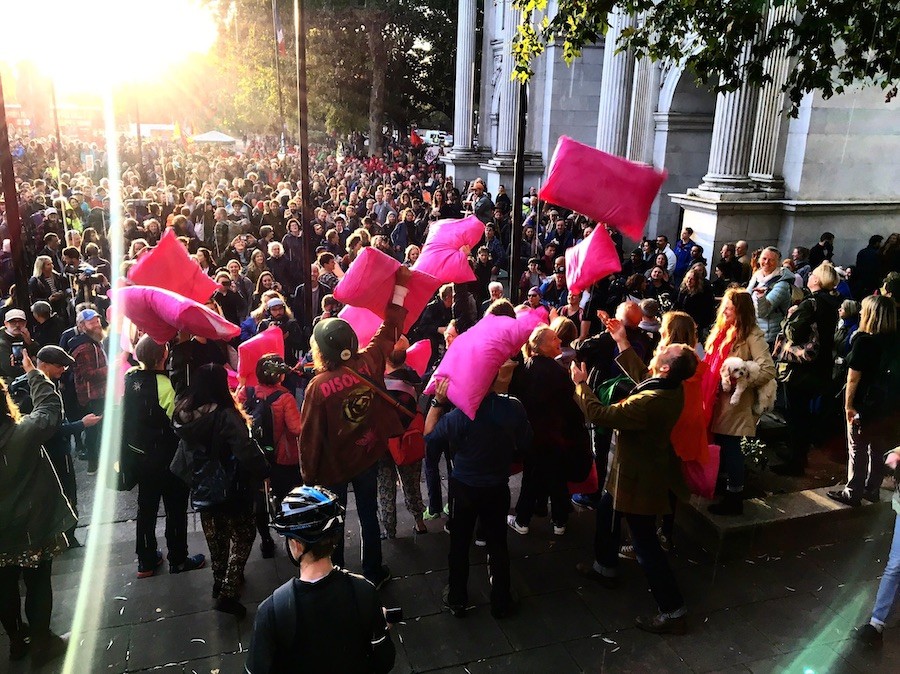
{"x": 393, "y": 615}
{"x": 18, "y": 349}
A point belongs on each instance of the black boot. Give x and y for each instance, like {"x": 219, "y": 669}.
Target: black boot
{"x": 731, "y": 504}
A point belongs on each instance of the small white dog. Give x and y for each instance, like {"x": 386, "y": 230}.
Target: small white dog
{"x": 745, "y": 373}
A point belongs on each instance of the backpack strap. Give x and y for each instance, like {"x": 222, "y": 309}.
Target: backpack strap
{"x": 284, "y": 604}
{"x": 381, "y": 393}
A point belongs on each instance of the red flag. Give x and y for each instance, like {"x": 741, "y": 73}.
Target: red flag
{"x": 415, "y": 139}
{"x": 279, "y": 36}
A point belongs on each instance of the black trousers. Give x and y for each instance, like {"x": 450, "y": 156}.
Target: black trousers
{"x": 488, "y": 506}
{"x": 282, "y": 479}
{"x": 174, "y": 494}
{"x": 65, "y": 471}
{"x": 650, "y": 556}
{"x": 92, "y": 434}
{"x": 543, "y": 478}
{"x": 38, "y": 599}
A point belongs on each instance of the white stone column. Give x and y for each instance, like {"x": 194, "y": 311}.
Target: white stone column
{"x": 465, "y": 75}
{"x": 732, "y": 136}
{"x": 615, "y": 88}
{"x": 644, "y": 100}
{"x": 509, "y": 88}
{"x": 770, "y": 111}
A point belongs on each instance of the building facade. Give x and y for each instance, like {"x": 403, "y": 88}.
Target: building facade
{"x": 739, "y": 167}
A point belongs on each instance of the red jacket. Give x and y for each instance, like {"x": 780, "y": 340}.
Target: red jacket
{"x": 285, "y": 424}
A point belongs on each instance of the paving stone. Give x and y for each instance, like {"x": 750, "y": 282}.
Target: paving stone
{"x": 815, "y": 658}
{"x": 868, "y": 659}
{"x": 229, "y": 663}
{"x": 553, "y": 658}
{"x": 794, "y": 622}
{"x": 548, "y": 618}
{"x": 183, "y": 638}
{"x": 720, "y": 640}
{"x": 626, "y": 652}
{"x": 440, "y": 640}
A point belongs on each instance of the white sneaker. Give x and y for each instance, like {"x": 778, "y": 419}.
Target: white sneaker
{"x": 627, "y": 552}
{"x": 515, "y": 526}
{"x": 559, "y": 531}
{"x": 480, "y": 543}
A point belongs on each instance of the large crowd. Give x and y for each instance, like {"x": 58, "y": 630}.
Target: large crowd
{"x": 683, "y": 343}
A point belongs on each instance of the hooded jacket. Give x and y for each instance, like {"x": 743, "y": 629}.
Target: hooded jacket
{"x": 89, "y": 370}
{"x": 772, "y": 306}
{"x": 33, "y": 510}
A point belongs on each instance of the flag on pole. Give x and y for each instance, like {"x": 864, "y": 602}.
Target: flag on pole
{"x": 415, "y": 139}
{"x": 279, "y": 36}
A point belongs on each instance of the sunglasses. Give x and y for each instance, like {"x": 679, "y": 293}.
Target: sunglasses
{"x": 533, "y": 295}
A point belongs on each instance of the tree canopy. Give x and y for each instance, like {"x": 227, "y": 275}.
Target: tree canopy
{"x": 832, "y": 44}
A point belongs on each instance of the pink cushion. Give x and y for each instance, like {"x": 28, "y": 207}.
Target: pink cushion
{"x": 270, "y": 340}
{"x": 591, "y": 260}
{"x": 162, "y": 313}
{"x": 369, "y": 284}
{"x": 170, "y": 267}
{"x": 602, "y": 186}
{"x": 474, "y": 359}
{"x": 445, "y": 254}
{"x": 418, "y": 355}
{"x": 533, "y": 317}
{"x": 364, "y": 323}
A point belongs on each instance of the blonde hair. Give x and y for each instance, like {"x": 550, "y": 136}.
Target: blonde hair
{"x": 565, "y": 329}
{"x": 677, "y": 328}
{"x": 39, "y": 263}
{"x": 878, "y": 315}
{"x": 744, "y": 317}
{"x": 531, "y": 348}
{"x": 828, "y": 277}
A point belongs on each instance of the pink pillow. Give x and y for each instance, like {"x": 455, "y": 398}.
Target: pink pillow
{"x": 162, "y": 313}
{"x": 446, "y": 252}
{"x": 418, "y": 355}
{"x": 369, "y": 284}
{"x": 533, "y": 317}
{"x": 364, "y": 323}
{"x": 602, "y": 186}
{"x": 270, "y": 340}
{"x": 591, "y": 260}
{"x": 170, "y": 267}
{"x": 474, "y": 359}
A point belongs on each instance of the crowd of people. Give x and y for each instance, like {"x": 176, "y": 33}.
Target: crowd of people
{"x": 606, "y": 379}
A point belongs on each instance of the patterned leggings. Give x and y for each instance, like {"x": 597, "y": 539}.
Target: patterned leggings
{"x": 230, "y": 539}
{"x": 410, "y": 481}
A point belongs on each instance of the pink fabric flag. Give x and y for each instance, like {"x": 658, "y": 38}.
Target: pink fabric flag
{"x": 169, "y": 266}
{"x": 445, "y": 255}
{"x": 591, "y": 260}
{"x": 602, "y": 186}
{"x": 369, "y": 284}
{"x": 270, "y": 340}
{"x": 162, "y": 313}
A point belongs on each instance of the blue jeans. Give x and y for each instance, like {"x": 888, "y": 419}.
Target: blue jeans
{"x": 732, "y": 460}
{"x": 365, "y": 492}
{"x": 889, "y": 587}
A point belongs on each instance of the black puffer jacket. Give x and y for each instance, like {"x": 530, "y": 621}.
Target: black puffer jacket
{"x": 212, "y": 435}
{"x": 819, "y": 309}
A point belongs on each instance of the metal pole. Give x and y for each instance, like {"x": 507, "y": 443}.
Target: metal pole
{"x": 13, "y": 218}
{"x": 62, "y": 211}
{"x": 303, "y": 148}
{"x": 278, "y": 69}
{"x": 515, "y": 265}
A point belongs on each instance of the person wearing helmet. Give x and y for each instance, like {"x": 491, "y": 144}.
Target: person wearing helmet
{"x": 345, "y": 423}
{"x": 327, "y": 618}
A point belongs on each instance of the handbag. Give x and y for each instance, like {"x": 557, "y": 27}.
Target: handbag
{"x": 700, "y": 476}
{"x": 409, "y": 447}
{"x": 786, "y": 351}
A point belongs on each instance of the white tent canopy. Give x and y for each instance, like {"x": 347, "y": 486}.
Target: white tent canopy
{"x": 213, "y": 137}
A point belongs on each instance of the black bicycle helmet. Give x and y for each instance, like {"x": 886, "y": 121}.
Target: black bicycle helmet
{"x": 307, "y": 514}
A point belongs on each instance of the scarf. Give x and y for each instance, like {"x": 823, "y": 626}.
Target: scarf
{"x": 709, "y": 386}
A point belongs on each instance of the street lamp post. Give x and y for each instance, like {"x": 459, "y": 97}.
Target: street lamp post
{"x": 309, "y": 245}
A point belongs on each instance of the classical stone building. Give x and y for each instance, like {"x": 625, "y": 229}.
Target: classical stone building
{"x": 739, "y": 167}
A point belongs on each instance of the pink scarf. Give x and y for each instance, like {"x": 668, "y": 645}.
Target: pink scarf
{"x": 709, "y": 387}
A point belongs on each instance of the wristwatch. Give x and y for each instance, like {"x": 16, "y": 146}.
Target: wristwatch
{"x": 439, "y": 405}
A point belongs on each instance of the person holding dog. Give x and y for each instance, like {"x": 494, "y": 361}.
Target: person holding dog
{"x": 735, "y": 334}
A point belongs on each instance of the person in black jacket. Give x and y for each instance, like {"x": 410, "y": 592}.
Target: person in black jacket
{"x": 434, "y": 320}
{"x": 330, "y": 618}
{"x": 216, "y": 443}
{"x": 48, "y": 285}
{"x": 48, "y": 325}
{"x": 148, "y": 403}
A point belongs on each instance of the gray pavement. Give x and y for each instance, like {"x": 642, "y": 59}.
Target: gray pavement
{"x": 772, "y": 613}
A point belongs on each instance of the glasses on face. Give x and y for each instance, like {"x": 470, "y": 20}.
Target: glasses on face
{"x": 532, "y": 295}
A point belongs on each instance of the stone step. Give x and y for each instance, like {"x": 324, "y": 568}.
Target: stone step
{"x": 783, "y": 523}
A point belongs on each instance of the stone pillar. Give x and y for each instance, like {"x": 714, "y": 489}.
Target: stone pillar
{"x": 770, "y": 111}
{"x": 465, "y": 75}
{"x": 615, "y": 88}
{"x": 509, "y": 88}
{"x": 732, "y": 137}
{"x": 644, "y": 100}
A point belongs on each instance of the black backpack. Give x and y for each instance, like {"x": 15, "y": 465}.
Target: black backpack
{"x": 260, "y": 411}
